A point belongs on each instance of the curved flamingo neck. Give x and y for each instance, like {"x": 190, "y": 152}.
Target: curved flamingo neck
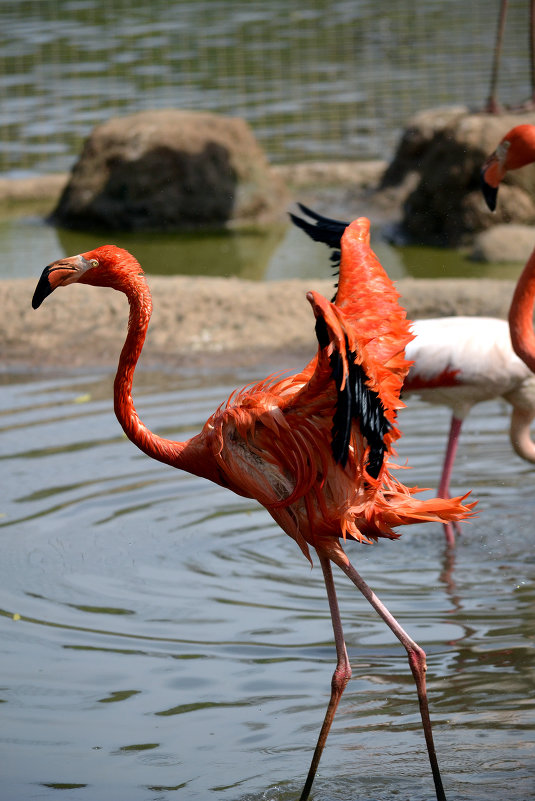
{"x": 520, "y": 433}
{"x": 164, "y": 450}
{"x": 521, "y": 315}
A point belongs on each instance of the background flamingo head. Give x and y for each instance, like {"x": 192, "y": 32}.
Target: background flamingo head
{"x": 516, "y": 149}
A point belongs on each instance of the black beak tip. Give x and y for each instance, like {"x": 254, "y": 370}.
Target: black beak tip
{"x": 36, "y": 300}
{"x": 42, "y": 290}
{"x": 489, "y": 193}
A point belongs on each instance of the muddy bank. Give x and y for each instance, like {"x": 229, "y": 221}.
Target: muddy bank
{"x": 203, "y": 322}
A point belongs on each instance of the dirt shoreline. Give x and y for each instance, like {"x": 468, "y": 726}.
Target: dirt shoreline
{"x": 203, "y": 322}
{"x": 212, "y": 323}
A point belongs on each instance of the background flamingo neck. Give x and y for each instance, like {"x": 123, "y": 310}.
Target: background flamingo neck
{"x": 164, "y": 450}
{"x": 521, "y": 315}
{"x": 520, "y": 434}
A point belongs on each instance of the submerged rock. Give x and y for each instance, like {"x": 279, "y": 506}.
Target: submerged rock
{"x": 504, "y": 243}
{"x": 170, "y": 169}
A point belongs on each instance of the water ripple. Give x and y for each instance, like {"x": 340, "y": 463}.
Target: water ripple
{"x": 125, "y": 582}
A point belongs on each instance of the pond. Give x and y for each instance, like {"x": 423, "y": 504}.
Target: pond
{"x": 314, "y": 79}
{"x": 163, "y": 639}
{"x": 274, "y": 253}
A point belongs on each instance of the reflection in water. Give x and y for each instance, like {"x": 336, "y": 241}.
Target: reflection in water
{"x": 163, "y": 639}
{"x": 209, "y": 253}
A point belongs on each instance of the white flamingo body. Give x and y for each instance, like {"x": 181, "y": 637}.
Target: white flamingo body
{"x": 462, "y": 361}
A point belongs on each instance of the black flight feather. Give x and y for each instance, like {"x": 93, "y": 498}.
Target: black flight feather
{"x": 355, "y": 402}
{"x": 341, "y": 428}
{"x": 490, "y": 193}
{"x": 324, "y": 229}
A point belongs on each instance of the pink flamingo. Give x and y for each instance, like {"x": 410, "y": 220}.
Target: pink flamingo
{"x": 516, "y": 149}
{"x": 313, "y": 448}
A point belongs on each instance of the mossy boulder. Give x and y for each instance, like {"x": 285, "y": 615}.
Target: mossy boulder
{"x": 169, "y": 170}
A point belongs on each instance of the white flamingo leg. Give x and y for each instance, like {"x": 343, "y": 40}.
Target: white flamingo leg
{"x": 417, "y": 662}
{"x": 341, "y": 675}
{"x": 444, "y": 488}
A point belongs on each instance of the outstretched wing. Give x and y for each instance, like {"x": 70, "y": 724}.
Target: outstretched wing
{"x": 359, "y": 373}
{"x": 359, "y": 269}
{"x": 360, "y": 366}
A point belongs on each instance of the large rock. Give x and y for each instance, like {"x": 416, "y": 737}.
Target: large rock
{"x": 170, "y": 169}
{"x": 506, "y": 243}
{"x": 439, "y": 158}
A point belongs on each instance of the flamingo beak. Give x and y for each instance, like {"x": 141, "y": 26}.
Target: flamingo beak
{"x": 490, "y": 193}
{"x": 492, "y": 173}
{"x": 59, "y": 273}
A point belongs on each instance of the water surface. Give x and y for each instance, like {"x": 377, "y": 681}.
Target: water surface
{"x": 162, "y": 639}
{"x": 314, "y": 79}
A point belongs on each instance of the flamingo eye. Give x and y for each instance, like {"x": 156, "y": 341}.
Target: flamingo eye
{"x": 93, "y": 262}
{"x": 502, "y": 149}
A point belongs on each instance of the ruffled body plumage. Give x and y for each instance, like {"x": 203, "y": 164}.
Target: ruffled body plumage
{"x": 315, "y": 448}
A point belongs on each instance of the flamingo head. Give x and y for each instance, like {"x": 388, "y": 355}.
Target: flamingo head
{"x": 107, "y": 265}
{"x": 516, "y": 149}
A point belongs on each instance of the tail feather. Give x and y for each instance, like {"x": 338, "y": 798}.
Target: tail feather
{"x": 389, "y": 509}
{"x": 325, "y": 229}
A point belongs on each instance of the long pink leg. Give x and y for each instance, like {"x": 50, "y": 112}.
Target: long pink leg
{"x": 444, "y": 487}
{"x": 417, "y": 662}
{"x": 492, "y": 106}
{"x": 341, "y": 675}
{"x": 532, "y": 48}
